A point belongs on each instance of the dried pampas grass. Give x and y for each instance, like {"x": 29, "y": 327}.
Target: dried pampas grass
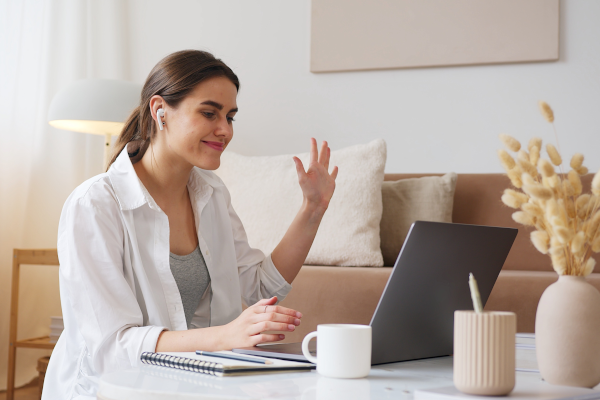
{"x": 566, "y": 221}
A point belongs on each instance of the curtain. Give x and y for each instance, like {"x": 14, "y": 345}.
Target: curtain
{"x": 45, "y": 45}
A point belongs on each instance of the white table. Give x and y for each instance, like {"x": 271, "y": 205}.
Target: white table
{"x": 388, "y": 381}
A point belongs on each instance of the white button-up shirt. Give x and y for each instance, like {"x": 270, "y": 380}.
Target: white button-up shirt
{"x": 116, "y": 287}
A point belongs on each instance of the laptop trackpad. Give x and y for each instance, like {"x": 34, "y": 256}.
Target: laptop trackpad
{"x": 283, "y": 351}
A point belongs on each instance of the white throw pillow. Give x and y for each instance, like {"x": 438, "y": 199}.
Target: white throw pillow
{"x": 266, "y": 195}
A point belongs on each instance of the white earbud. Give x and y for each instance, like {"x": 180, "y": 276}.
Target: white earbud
{"x": 159, "y": 114}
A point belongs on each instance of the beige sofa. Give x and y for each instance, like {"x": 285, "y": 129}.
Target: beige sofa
{"x": 330, "y": 294}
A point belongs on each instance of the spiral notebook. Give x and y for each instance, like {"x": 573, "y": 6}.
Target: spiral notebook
{"x": 219, "y": 366}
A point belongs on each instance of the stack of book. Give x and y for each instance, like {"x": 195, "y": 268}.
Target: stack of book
{"x": 526, "y": 358}
{"x": 56, "y": 328}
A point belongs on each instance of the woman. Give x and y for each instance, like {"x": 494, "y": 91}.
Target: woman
{"x": 152, "y": 248}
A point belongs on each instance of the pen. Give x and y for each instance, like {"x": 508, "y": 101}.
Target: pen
{"x": 475, "y": 294}
{"x": 233, "y": 357}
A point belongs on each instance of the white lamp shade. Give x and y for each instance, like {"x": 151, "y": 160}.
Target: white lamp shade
{"x": 98, "y": 106}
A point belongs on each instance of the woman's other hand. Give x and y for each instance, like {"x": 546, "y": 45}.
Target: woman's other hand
{"x": 317, "y": 183}
{"x": 248, "y": 329}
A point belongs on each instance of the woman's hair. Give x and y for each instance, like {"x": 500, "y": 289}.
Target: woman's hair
{"x": 173, "y": 78}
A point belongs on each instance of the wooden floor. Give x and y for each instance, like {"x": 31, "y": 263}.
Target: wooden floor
{"x": 27, "y": 392}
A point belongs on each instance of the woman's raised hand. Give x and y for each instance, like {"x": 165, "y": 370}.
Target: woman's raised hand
{"x": 248, "y": 329}
{"x": 316, "y": 182}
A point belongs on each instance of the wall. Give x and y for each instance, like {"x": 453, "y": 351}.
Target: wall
{"x": 434, "y": 120}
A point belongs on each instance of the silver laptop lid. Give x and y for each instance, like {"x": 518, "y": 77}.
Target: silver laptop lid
{"x": 415, "y": 315}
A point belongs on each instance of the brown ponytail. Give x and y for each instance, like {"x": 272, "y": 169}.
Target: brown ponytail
{"x": 173, "y": 78}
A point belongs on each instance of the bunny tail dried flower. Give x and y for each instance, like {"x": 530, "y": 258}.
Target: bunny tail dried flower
{"x": 581, "y": 205}
{"x": 568, "y": 189}
{"x": 528, "y": 179}
{"x": 559, "y": 262}
{"x": 592, "y": 228}
{"x": 534, "y": 142}
{"x": 534, "y": 155}
{"x": 545, "y": 168}
{"x": 577, "y": 243}
{"x": 546, "y": 111}
{"x": 553, "y": 154}
{"x": 533, "y": 209}
{"x": 577, "y": 161}
{"x": 583, "y": 171}
{"x": 588, "y": 267}
{"x": 596, "y": 184}
{"x": 515, "y": 177}
{"x": 523, "y": 218}
{"x": 506, "y": 160}
{"x": 510, "y": 142}
{"x": 513, "y": 198}
{"x": 538, "y": 191}
{"x": 575, "y": 181}
{"x": 564, "y": 235}
{"x": 596, "y": 244}
{"x": 541, "y": 241}
{"x": 523, "y": 160}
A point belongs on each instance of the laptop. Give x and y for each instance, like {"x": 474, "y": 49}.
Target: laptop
{"x": 430, "y": 280}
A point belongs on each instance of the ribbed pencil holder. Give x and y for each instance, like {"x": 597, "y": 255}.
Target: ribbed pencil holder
{"x": 484, "y": 352}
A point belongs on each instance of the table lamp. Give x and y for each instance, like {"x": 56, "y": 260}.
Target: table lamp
{"x": 98, "y": 106}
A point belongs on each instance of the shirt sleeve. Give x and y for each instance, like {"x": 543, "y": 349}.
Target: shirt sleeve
{"x": 97, "y": 287}
{"x": 259, "y": 277}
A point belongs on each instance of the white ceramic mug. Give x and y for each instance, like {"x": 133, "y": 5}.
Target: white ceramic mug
{"x": 343, "y": 350}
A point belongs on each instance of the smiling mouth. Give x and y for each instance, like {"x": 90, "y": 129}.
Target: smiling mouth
{"x": 215, "y": 145}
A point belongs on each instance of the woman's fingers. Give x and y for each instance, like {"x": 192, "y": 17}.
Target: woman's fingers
{"x": 278, "y": 310}
{"x": 334, "y": 173}
{"x": 314, "y": 154}
{"x": 265, "y": 302}
{"x": 323, "y": 153}
{"x": 264, "y": 326}
{"x": 327, "y": 157}
{"x": 265, "y": 338}
{"x": 299, "y": 168}
{"x": 275, "y": 317}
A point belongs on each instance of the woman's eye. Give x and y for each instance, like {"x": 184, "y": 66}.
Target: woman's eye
{"x": 208, "y": 114}
{"x": 230, "y": 119}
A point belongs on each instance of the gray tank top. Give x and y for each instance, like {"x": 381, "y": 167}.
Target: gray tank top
{"x": 192, "y": 279}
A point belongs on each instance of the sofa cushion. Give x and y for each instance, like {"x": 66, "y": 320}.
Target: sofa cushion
{"x": 405, "y": 201}
{"x": 266, "y": 195}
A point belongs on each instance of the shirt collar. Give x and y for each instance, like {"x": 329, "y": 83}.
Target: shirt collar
{"x": 132, "y": 194}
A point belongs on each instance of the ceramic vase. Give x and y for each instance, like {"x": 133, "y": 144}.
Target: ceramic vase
{"x": 567, "y": 333}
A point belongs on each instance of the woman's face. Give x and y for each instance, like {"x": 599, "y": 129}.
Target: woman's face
{"x": 201, "y": 126}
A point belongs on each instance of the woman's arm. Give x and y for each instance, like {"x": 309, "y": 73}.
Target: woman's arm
{"x": 244, "y": 331}
{"x": 317, "y": 187}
